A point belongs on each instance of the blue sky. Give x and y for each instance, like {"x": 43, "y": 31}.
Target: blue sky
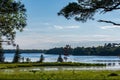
{"x": 45, "y": 29}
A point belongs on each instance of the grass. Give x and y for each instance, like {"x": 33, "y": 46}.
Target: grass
{"x": 17, "y": 65}
{"x": 61, "y": 75}
{"x": 57, "y": 74}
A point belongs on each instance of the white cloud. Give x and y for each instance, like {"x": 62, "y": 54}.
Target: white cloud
{"x": 66, "y": 27}
{"x": 96, "y": 37}
{"x": 26, "y": 29}
{"x": 47, "y": 24}
{"x": 58, "y": 27}
{"x": 100, "y": 35}
{"x": 40, "y": 41}
{"x": 109, "y": 27}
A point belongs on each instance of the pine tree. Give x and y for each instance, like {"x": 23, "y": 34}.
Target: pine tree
{"x": 60, "y": 59}
{"x": 1, "y": 53}
{"x": 84, "y": 10}
{"x": 16, "y": 58}
{"x": 41, "y": 58}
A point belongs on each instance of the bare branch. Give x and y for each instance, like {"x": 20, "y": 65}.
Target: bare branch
{"x": 111, "y": 22}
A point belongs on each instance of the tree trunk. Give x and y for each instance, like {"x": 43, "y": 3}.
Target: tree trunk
{"x": 1, "y": 52}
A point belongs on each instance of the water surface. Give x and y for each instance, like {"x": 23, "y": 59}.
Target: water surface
{"x": 53, "y": 58}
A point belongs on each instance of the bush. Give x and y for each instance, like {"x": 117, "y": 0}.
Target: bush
{"x": 113, "y": 74}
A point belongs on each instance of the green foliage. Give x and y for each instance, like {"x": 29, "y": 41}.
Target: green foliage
{"x": 25, "y": 51}
{"x": 28, "y": 60}
{"x": 41, "y": 58}
{"x": 55, "y": 51}
{"x": 110, "y": 49}
{"x": 17, "y": 65}
{"x": 113, "y": 74}
{"x": 16, "y": 58}
{"x": 60, "y": 75}
{"x": 60, "y": 59}
{"x": 12, "y": 18}
{"x": 1, "y": 53}
{"x": 84, "y": 10}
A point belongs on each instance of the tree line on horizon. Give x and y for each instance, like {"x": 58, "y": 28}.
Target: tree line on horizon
{"x": 17, "y": 56}
{"x": 25, "y": 51}
{"x": 13, "y": 19}
{"x": 109, "y": 49}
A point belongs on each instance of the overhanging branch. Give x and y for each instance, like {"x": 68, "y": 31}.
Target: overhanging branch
{"x": 111, "y": 22}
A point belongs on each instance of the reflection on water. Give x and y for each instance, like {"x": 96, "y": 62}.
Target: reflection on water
{"x": 60, "y": 68}
{"x": 7, "y": 71}
{"x": 112, "y": 62}
{"x": 53, "y": 58}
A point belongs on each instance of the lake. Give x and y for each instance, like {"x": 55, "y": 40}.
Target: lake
{"x": 56, "y": 68}
{"x": 112, "y": 62}
{"x": 53, "y": 58}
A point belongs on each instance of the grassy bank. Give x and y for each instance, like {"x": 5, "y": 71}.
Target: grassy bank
{"x": 62, "y": 75}
{"x": 17, "y": 65}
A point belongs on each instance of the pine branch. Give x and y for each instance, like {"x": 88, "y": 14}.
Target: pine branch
{"x": 111, "y": 22}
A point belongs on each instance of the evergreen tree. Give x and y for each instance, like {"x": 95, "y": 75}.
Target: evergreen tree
{"x": 41, "y": 58}
{"x": 16, "y": 58}
{"x": 28, "y": 60}
{"x": 60, "y": 59}
{"x": 22, "y": 59}
{"x": 1, "y": 53}
{"x": 84, "y": 10}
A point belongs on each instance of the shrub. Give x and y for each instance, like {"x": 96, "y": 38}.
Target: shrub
{"x": 113, "y": 74}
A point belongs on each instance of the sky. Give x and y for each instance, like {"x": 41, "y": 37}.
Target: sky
{"x": 45, "y": 29}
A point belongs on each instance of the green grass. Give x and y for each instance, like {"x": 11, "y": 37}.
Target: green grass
{"x": 61, "y": 75}
{"x": 17, "y": 65}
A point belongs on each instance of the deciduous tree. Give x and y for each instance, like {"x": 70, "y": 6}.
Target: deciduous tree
{"x": 12, "y": 18}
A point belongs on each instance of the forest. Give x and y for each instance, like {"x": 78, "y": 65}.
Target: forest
{"x": 109, "y": 49}
{"x": 25, "y": 51}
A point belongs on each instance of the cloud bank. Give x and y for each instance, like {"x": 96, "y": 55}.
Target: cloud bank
{"x": 109, "y": 27}
{"x": 66, "y": 27}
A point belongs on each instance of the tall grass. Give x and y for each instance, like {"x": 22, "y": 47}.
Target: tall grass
{"x": 16, "y": 65}
{"x": 61, "y": 75}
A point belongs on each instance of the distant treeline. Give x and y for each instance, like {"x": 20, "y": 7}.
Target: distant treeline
{"x": 25, "y": 51}
{"x": 110, "y": 49}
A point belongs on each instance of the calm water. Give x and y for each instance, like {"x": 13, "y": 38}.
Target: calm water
{"x": 113, "y": 62}
{"x": 55, "y": 68}
{"x": 53, "y": 58}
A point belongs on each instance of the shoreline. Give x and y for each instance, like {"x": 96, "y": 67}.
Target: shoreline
{"x": 36, "y": 64}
